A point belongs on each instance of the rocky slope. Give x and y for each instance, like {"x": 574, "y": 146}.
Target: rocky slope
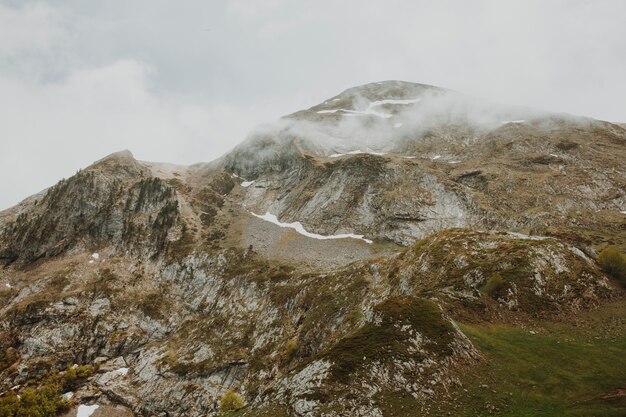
{"x": 171, "y": 286}
{"x": 435, "y": 160}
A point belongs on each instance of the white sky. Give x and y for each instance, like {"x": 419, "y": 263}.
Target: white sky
{"x": 184, "y": 81}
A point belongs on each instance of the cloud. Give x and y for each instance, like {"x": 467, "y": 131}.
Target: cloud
{"x": 50, "y": 130}
{"x": 30, "y": 28}
{"x": 186, "y": 81}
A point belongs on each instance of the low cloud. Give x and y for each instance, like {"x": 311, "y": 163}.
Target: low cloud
{"x": 50, "y": 130}
{"x": 185, "y": 82}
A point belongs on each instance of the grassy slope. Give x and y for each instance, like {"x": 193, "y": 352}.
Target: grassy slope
{"x": 563, "y": 370}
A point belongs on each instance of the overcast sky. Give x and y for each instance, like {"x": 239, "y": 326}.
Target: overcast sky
{"x": 184, "y": 81}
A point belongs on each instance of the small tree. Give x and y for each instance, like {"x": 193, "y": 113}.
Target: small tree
{"x": 231, "y": 401}
{"x": 613, "y": 262}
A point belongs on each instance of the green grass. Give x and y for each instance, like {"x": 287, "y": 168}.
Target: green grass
{"x": 563, "y": 370}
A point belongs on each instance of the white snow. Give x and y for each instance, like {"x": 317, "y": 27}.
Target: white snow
{"x": 297, "y": 226}
{"x": 357, "y": 152}
{"x": 369, "y": 111}
{"x": 623, "y": 212}
{"x": 8, "y": 285}
{"x": 554, "y": 155}
{"x": 121, "y": 372}
{"x": 397, "y": 125}
{"x": 246, "y": 184}
{"x": 392, "y": 101}
{"x": 435, "y": 157}
{"x": 454, "y": 162}
{"x": 235, "y": 175}
{"x": 86, "y": 410}
{"x": 91, "y": 261}
{"x": 409, "y": 157}
{"x": 95, "y": 256}
{"x": 67, "y": 396}
{"x": 513, "y": 121}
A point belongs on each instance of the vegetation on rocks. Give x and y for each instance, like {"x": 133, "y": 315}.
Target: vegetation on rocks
{"x": 41, "y": 397}
{"x": 386, "y": 338}
{"x": 494, "y": 285}
{"x": 231, "y": 401}
{"x": 45, "y": 401}
{"x": 613, "y": 262}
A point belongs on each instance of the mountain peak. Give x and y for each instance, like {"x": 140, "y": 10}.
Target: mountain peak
{"x": 122, "y": 155}
{"x": 119, "y": 164}
{"x": 391, "y": 89}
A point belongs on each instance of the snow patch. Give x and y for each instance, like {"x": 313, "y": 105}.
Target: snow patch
{"x": 297, "y": 226}
{"x": 119, "y": 372}
{"x": 95, "y": 256}
{"x": 369, "y": 111}
{"x": 86, "y": 410}
{"x": 397, "y": 125}
{"x": 434, "y": 158}
{"x": 8, "y": 285}
{"x": 623, "y": 211}
{"x": 513, "y": 121}
{"x": 246, "y": 184}
{"x": 393, "y": 101}
{"x": 68, "y": 396}
{"x": 357, "y": 152}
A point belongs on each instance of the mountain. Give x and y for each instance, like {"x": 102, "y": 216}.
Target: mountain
{"x": 397, "y": 249}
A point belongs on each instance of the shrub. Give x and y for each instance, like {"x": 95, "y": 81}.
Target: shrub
{"x": 494, "y": 285}
{"x": 7, "y": 357}
{"x": 152, "y": 304}
{"x": 292, "y": 348}
{"x": 45, "y": 401}
{"x": 73, "y": 377}
{"x": 613, "y": 262}
{"x": 231, "y": 401}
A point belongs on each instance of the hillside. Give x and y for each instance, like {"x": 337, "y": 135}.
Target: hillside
{"x": 397, "y": 250}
